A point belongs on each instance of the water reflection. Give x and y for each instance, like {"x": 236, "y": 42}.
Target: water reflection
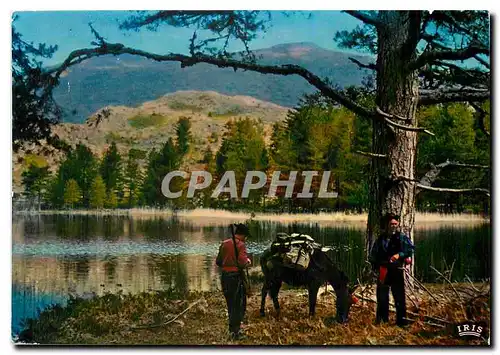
{"x": 54, "y": 256}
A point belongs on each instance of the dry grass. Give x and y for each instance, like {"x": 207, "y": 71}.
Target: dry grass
{"x": 149, "y": 318}
{"x": 422, "y": 220}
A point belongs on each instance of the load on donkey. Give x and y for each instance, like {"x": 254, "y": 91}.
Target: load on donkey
{"x": 298, "y": 260}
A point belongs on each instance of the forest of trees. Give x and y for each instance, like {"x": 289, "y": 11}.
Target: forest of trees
{"x": 316, "y": 135}
{"x": 431, "y": 84}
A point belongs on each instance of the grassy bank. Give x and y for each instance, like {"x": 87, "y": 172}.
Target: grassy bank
{"x": 169, "y": 318}
{"x": 223, "y": 216}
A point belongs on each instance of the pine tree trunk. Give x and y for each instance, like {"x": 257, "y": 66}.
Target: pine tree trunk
{"x": 397, "y": 93}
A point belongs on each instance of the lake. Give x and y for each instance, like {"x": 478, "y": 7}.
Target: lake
{"x": 54, "y": 256}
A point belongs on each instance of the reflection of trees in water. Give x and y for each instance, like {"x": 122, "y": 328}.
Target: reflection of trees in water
{"x": 82, "y": 268}
{"x": 172, "y": 270}
{"x": 470, "y": 248}
{"x": 112, "y": 227}
{"x": 83, "y": 227}
{"x": 110, "y": 264}
{"x": 66, "y": 266}
{"x": 173, "y": 229}
{"x": 159, "y": 228}
{"x": 31, "y": 226}
{"x": 75, "y": 226}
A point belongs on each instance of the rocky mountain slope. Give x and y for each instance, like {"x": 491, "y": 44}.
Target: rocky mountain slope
{"x": 149, "y": 125}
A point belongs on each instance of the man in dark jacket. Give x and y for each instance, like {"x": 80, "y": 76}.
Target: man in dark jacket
{"x": 390, "y": 253}
{"x": 232, "y": 260}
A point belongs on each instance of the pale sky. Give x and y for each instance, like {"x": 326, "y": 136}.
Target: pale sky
{"x": 70, "y": 30}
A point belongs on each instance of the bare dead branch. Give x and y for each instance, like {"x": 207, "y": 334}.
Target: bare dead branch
{"x": 404, "y": 178}
{"x": 372, "y": 155}
{"x": 442, "y": 189}
{"x": 447, "y": 279}
{"x": 410, "y": 313}
{"x": 385, "y": 114}
{"x": 149, "y": 326}
{"x": 431, "y": 175}
{"x": 366, "y": 18}
{"x": 370, "y": 66}
{"x": 421, "y": 285}
{"x": 400, "y": 126}
{"x": 477, "y": 166}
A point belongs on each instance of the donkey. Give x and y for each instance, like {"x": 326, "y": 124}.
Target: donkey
{"x": 321, "y": 269}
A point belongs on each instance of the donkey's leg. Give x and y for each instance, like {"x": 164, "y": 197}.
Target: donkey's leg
{"x": 275, "y": 289}
{"x": 342, "y": 301}
{"x": 313, "y": 289}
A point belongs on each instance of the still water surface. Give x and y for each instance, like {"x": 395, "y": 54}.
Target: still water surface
{"x": 57, "y": 255}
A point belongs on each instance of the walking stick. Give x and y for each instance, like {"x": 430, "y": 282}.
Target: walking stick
{"x": 244, "y": 277}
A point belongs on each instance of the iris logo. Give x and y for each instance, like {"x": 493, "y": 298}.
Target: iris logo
{"x": 470, "y": 329}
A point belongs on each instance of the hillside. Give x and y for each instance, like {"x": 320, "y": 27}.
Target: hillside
{"x": 152, "y": 123}
{"x": 129, "y": 80}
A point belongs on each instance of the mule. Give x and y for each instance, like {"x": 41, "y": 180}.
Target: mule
{"x": 321, "y": 269}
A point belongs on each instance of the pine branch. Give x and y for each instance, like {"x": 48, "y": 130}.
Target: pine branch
{"x": 366, "y": 18}
{"x": 432, "y": 97}
{"x": 482, "y": 61}
{"x": 457, "y": 54}
{"x": 370, "y": 66}
{"x": 186, "y": 61}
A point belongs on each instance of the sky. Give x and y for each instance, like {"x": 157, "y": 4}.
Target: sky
{"x": 70, "y": 30}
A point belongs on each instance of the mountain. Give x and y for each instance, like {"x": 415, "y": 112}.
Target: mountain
{"x": 149, "y": 126}
{"x": 131, "y": 80}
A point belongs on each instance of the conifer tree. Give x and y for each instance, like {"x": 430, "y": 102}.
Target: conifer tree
{"x": 98, "y": 193}
{"x": 72, "y": 193}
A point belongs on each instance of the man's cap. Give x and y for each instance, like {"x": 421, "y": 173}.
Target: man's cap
{"x": 389, "y": 217}
{"x": 241, "y": 229}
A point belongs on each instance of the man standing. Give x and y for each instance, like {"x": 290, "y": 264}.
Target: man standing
{"x": 390, "y": 253}
{"x": 233, "y": 259}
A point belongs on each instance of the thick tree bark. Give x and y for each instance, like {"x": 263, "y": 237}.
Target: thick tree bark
{"x": 397, "y": 94}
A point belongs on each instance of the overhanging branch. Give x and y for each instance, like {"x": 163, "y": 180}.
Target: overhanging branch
{"x": 459, "y": 54}
{"x": 79, "y": 55}
{"x": 366, "y": 18}
{"x": 370, "y": 66}
{"x": 482, "y": 61}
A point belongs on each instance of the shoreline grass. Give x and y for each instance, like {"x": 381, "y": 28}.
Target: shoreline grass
{"x": 421, "y": 218}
